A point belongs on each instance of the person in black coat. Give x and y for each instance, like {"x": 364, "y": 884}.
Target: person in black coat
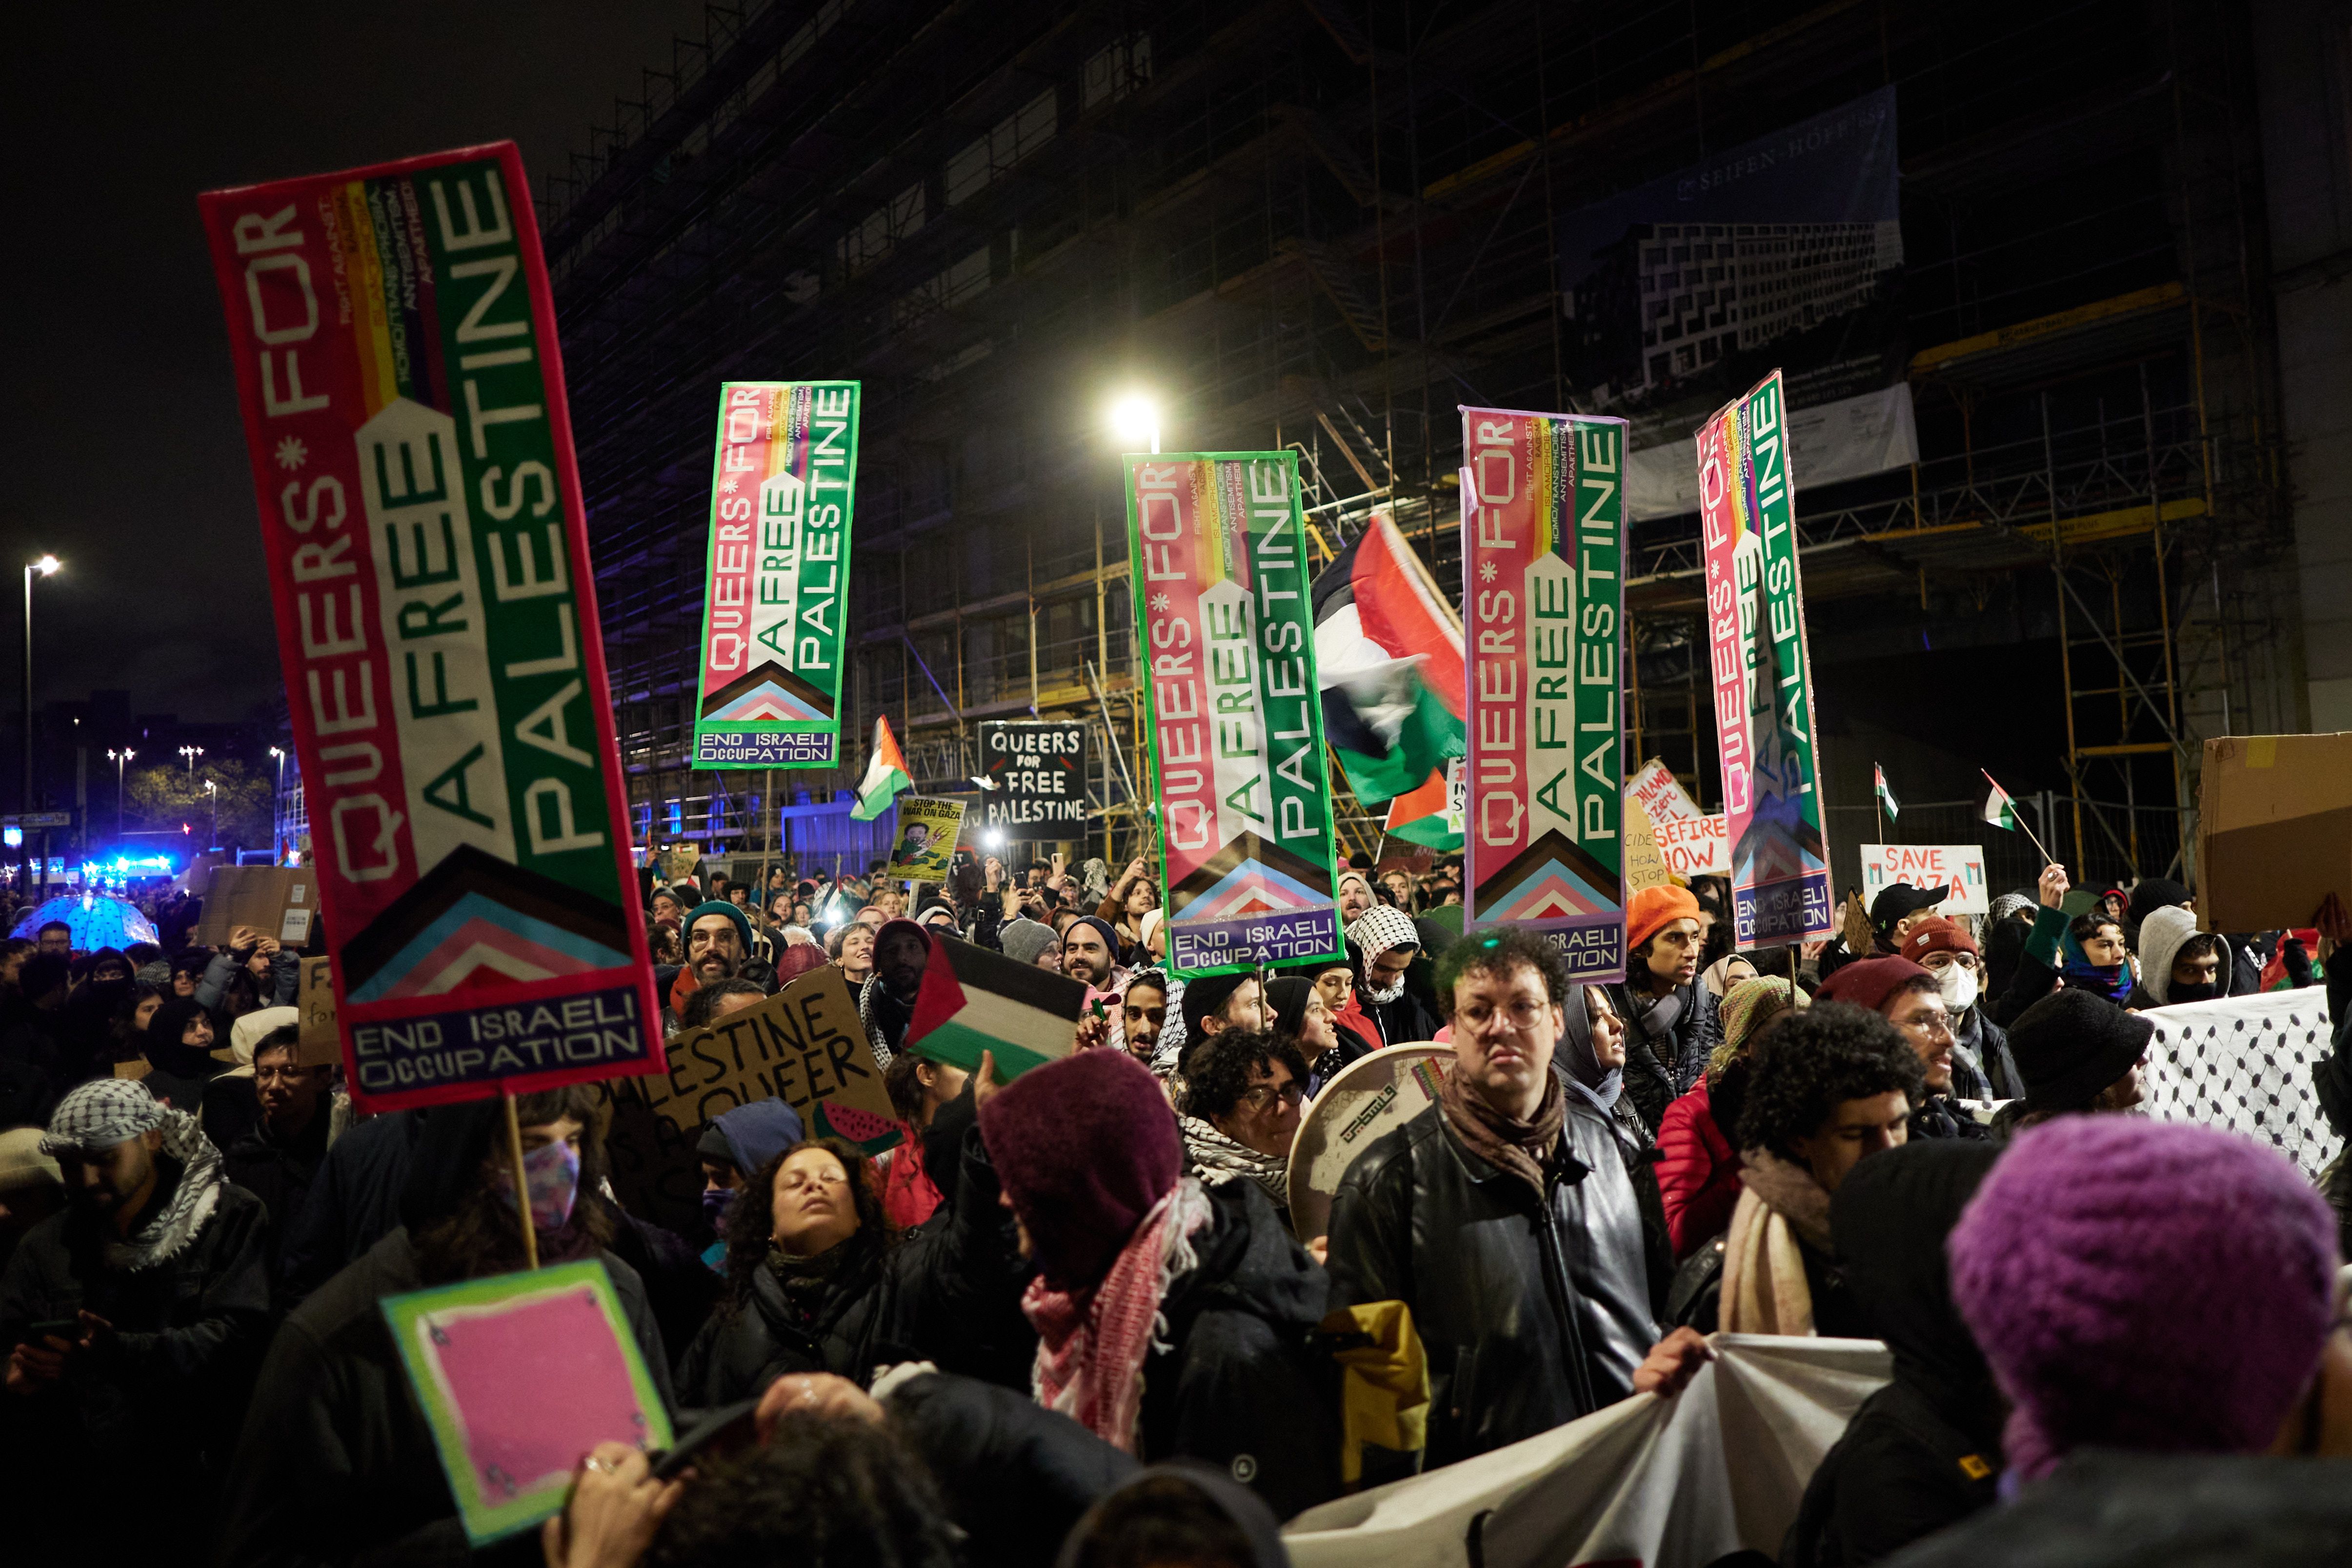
{"x": 818, "y": 1280}
{"x": 1671, "y": 1027}
{"x": 1093, "y": 1166}
{"x": 1924, "y": 1451}
{"x": 279, "y": 1157}
{"x": 133, "y": 1319}
{"x": 353, "y": 1201}
{"x": 1504, "y": 1216}
{"x": 1382, "y": 944}
{"x": 337, "y": 1460}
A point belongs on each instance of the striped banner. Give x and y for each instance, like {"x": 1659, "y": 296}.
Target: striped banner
{"x": 403, "y": 392}
{"x": 776, "y": 583}
{"x": 1543, "y": 509}
{"x": 1235, "y": 724}
{"x": 1763, "y": 685}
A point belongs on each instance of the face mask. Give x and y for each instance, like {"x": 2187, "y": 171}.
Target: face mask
{"x": 553, "y": 1173}
{"x": 1959, "y": 985}
{"x": 2190, "y": 991}
{"x": 716, "y": 1203}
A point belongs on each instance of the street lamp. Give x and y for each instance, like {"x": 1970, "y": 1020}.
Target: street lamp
{"x": 1135, "y": 419}
{"x": 46, "y": 565}
{"x": 212, "y": 792}
{"x": 120, "y": 760}
{"x": 192, "y": 754}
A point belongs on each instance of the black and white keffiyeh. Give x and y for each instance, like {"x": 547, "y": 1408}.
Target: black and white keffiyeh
{"x": 1216, "y": 1158}
{"x": 111, "y": 1110}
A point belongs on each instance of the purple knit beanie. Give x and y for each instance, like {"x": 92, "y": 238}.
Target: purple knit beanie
{"x": 1085, "y": 1147}
{"x": 2144, "y": 1285}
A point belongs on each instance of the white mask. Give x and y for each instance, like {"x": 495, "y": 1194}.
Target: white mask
{"x": 1958, "y": 983}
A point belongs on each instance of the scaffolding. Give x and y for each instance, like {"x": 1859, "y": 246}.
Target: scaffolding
{"x": 1318, "y": 225}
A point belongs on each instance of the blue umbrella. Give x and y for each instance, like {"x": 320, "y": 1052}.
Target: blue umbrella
{"x": 96, "y": 919}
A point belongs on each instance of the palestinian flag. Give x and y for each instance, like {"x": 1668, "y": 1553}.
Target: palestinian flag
{"x": 1388, "y": 649}
{"x": 1998, "y": 809}
{"x": 1430, "y": 812}
{"x": 974, "y": 1000}
{"x": 886, "y": 775}
{"x": 1885, "y": 795}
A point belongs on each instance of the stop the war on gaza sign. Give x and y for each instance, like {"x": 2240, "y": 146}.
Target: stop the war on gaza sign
{"x": 421, "y": 519}
{"x": 1036, "y": 778}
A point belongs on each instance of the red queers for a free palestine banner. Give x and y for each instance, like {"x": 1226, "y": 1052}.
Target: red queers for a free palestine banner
{"x": 1543, "y": 511}
{"x": 403, "y": 403}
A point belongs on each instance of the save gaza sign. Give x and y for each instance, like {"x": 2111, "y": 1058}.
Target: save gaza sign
{"x": 1959, "y": 866}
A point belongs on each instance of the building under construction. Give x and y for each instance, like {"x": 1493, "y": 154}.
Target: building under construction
{"x": 2101, "y": 523}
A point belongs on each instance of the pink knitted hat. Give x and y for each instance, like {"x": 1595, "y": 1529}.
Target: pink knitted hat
{"x": 2144, "y": 1285}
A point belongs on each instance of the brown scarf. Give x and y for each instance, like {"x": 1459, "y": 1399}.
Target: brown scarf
{"x": 1505, "y": 1142}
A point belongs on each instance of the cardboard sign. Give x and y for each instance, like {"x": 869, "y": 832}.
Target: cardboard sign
{"x": 394, "y": 336}
{"x": 927, "y": 829}
{"x": 322, "y": 1046}
{"x": 1543, "y": 523}
{"x": 2274, "y": 831}
{"x": 783, "y": 482}
{"x": 1234, "y": 723}
{"x": 805, "y": 1046}
{"x": 278, "y": 902}
{"x": 1761, "y": 670}
{"x": 519, "y": 1376}
{"x": 1959, "y": 866}
{"x": 1645, "y": 867}
{"x": 1690, "y": 842}
{"x": 1039, "y": 776}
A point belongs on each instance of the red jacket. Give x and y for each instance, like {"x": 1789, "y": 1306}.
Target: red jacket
{"x": 1698, "y": 1172}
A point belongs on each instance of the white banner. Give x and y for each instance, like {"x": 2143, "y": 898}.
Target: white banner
{"x": 1674, "y": 1483}
{"x": 1827, "y": 442}
{"x": 1690, "y": 842}
{"x": 2244, "y": 1063}
{"x": 1959, "y": 866}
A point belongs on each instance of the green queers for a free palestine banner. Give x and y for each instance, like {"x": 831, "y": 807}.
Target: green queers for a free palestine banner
{"x": 1762, "y": 672}
{"x": 776, "y": 586}
{"x": 1543, "y": 522}
{"x": 1216, "y": 553}
{"x": 403, "y": 392}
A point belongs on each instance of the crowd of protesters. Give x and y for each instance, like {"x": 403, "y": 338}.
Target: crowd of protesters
{"x": 1066, "y": 1317}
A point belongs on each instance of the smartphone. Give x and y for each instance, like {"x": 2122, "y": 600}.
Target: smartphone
{"x": 68, "y": 1329}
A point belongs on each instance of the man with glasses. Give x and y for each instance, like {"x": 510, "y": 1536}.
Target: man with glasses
{"x": 1911, "y": 999}
{"x": 1506, "y": 1217}
{"x": 1982, "y": 1068}
{"x": 278, "y": 1159}
{"x": 1243, "y": 1091}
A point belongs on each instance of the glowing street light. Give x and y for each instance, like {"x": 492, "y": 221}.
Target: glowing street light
{"x": 120, "y": 760}
{"x": 192, "y": 754}
{"x": 1134, "y": 420}
{"x": 46, "y": 567}
{"x": 212, "y": 792}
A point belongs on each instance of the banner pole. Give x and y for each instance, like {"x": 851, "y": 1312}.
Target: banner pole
{"x": 521, "y": 1180}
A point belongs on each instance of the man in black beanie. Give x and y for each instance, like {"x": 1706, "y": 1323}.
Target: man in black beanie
{"x": 2076, "y": 1053}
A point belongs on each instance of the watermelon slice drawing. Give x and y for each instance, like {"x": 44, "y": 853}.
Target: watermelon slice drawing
{"x": 870, "y": 1132}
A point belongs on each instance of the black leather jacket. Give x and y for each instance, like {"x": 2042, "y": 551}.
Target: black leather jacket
{"x": 1532, "y": 1314}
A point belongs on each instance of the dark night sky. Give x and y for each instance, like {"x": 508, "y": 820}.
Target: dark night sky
{"x": 123, "y": 449}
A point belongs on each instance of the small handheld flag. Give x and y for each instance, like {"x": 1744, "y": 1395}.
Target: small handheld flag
{"x": 1885, "y": 795}
{"x": 886, "y": 775}
{"x": 2002, "y": 812}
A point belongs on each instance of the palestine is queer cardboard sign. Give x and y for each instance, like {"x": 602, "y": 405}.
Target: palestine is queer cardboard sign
{"x": 805, "y": 1046}
{"x": 783, "y": 484}
{"x": 1543, "y": 508}
{"x": 421, "y": 520}
{"x": 1235, "y": 734}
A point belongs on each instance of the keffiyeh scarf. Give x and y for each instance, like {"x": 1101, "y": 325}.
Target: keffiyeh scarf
{"x": 1216, "y": 1158}
{"x": 112, "y": 1111}
{"x": 1091, "y": 1345}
